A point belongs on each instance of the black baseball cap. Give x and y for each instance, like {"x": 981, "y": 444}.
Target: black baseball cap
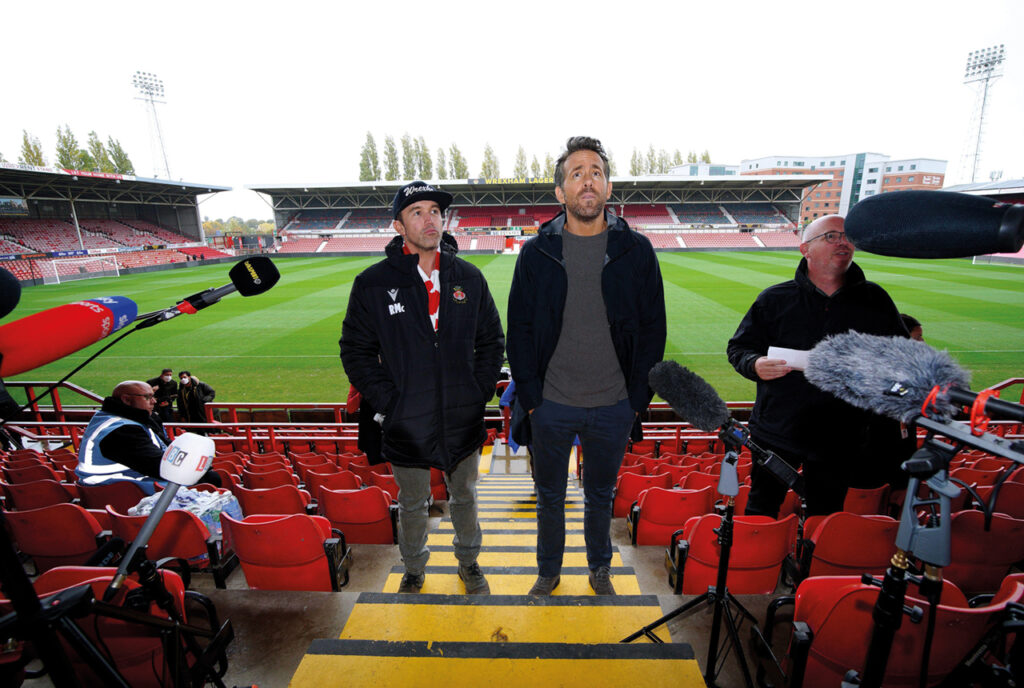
{"x": 419, "y": 191}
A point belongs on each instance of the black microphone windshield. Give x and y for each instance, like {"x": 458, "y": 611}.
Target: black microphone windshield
{"x": 935, "y": 224}
{"x": 254, "y": 275}
{"x": 689, "y": 395}
{"x": 10, "y": 292}
{"x": 891, "y": 376}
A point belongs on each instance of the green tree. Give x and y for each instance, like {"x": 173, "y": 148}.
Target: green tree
{"x": 442, "y": 164}
{"x": 651, "y": 162}
{"x": 664, "y": 162}
{"x": 2, "y": 158}
{"x": 490, "y": 168}
{"x": 67, "y": 148}
{"x": 100, "y": 157}
{"x": 423, "y": 158}
{"x": 31, "y": 151}
{"x": 691, "y": 157}
{"x": 458, "y": 166}
{"x": 705, "y": 156}
{"x": 636, "y": 164}
{"x": 612, "y": 170}
{"x": 265, "y": 228}
{"x": 549, "y": 166}
{"x": 390, "y": 159}
{"x": 118, "y": 156}
{"x": 408, "y": 158}
{"x": 677, "y": 158}
{"x": 369, "y": 166}
{"x": 521, "y": 170}
{"x": 535, "y": 167}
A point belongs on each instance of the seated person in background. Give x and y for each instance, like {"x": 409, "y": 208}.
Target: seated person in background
{"x": 913, "y": 326}
{"x": 125, "y": 440}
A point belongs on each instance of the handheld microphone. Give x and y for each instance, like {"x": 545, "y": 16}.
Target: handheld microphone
{"x": 10, "y": 292}
{"x": 897, "y": 377}
{"x": 697, "y": 402}
{"x": 935, "y": 224}
{"x": 248, "y": 277}
{"x": 44, "y": 337}
{"x": 184, "y": 462}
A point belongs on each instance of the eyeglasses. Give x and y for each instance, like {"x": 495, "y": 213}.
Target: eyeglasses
{"x": 830, "y": 237}
{"x": 145, "y": 396}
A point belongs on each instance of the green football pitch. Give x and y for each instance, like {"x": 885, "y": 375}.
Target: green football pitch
{"x": 282, "y": 346}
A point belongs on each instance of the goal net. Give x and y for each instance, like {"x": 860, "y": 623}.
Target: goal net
{"x": 68, "y": 269}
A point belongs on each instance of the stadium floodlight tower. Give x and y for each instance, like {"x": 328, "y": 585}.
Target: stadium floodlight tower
{"x": 985, "y": 66}
{"x": 150, "y": 88}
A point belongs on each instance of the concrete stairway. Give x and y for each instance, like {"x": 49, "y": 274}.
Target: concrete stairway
{"x": 446, "y": 636}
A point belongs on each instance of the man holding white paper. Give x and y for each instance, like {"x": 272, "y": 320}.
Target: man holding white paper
{"x": 802, "y": 424}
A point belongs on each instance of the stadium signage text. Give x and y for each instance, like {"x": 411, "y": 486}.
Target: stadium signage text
{"x": 514, "y": 180}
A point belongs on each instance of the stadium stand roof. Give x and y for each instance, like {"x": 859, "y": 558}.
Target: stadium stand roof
{"x": 1010, "y": 190}
{"x": 57, "y": 184}
{"x": 289, "y": 198}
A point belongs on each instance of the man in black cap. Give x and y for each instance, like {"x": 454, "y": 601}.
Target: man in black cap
{"x": 422, "y": 341}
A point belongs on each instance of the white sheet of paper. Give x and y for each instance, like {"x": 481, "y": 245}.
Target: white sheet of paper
{"x": 794, "y": 358}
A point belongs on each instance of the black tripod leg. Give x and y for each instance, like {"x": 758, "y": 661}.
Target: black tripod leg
{"x": 646, "y": 630}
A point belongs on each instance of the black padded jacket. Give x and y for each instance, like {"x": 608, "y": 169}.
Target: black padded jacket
{"x": 431, "y": 386}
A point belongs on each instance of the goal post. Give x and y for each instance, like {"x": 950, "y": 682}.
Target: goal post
{"x": 69, "y": 269}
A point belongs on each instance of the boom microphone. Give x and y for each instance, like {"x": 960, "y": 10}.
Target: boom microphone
{"x": 689, "y": 395}
{"x": 891, "y": 376}
{"x": 248, "y": 277}
{"x": 935, "y": 224}
{"x": 38, "y": 339}
{"x": 897, "y": 377}
{"x": 10, "y": 292}
{"x": 697, "y": 402}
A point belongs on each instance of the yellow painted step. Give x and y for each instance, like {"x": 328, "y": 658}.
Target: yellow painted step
{"x": 513, "y": 584}
{"x": 369, "y": 663}
{"x": 490, "y": 559}
{"x": 525, "y": 539}
{"x": 504, "y": 618}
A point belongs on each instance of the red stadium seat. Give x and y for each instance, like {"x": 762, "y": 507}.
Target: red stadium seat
{"x": 256, "y": 481}
{"x": 37, "y": 494}
{"x": 760, "y": 545}
{"x": 833, "y": 627}
{"x": 847, "y": 544}
{"x": 30, "y": 473}
{"x": 981, "y": 557}
{"x": 867, "y": 500}
{"x": 179, "y": 534}
{"x": 660, "y": 512}
{"x": 341, "y": 480}
{"x": 365, "y": 516}
{"x": 120, "y": 494}
{"x": 58, "y": 535}
{"x": 628, "y": 487}
{"x": 293, "y": 552}
{"x": 283, "y": 499}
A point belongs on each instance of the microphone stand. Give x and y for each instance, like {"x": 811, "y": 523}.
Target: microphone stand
{"x": 929, "y": 542}
{"x": 718, "y": 595}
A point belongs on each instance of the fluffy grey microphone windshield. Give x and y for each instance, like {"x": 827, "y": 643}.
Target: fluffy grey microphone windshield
{"x": 890, "y": 376}
{"x": 689, "y": 395}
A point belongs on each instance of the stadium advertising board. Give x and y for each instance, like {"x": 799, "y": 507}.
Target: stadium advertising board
{"x": 12, "y": 206}
{"x": 547, "y": 181}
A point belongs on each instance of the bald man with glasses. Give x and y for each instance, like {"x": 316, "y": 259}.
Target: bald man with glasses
{"x": 124, "y": 440}
{"x": 802, "y": 424}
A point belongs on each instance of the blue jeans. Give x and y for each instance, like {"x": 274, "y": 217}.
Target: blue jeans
{"x": 603, "y": 432}
{"x": 413, "y": 501}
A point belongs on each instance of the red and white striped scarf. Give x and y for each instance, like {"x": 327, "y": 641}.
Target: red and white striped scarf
{"x": 432, "y": 282}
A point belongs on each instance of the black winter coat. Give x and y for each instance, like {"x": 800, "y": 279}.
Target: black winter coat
{"x": 431, "y": 386}
{"x": 790, "y": 412}
{"x": 634, "y": 299}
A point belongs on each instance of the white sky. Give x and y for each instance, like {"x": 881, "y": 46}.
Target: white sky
{"x": 284, "y": 92}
